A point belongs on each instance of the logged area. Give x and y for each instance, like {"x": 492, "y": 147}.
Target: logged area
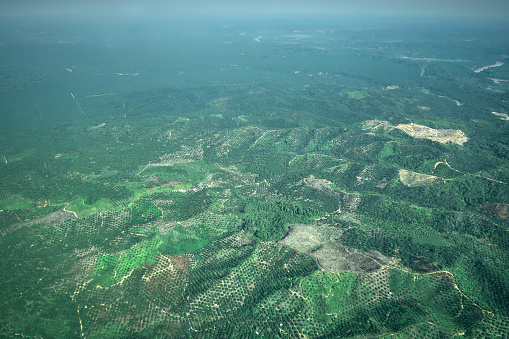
{"x": 259, "y": 194}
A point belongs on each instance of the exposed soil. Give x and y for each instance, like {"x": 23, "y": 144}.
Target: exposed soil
{"x": 414, "y": 179}
{"x": 499, "y": 210}
{"x": 321, "y": 242}
{"x": 320, "y": 184}
{"x": 443, "y": 136}
{"x": 52, "y": 218}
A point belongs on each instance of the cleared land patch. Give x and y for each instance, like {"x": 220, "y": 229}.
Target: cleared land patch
{"x": 413, "y": 179}
{"x": 443, "y": 136}
{"x": 319, "y": 242}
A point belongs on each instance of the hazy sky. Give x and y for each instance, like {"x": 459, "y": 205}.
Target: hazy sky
{"x": 433, "y": 8}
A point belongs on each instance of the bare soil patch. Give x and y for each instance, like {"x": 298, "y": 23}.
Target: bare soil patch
{"x": 443, "y": 136}
{"x": 321, "y": 242}
{"x": 414, "y": 179}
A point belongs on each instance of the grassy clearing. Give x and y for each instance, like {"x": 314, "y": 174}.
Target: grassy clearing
{"x": 16, "y": 201}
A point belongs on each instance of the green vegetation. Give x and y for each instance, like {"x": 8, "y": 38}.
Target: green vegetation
{"x": 191, "y": 233}
{"x": 181, "y": 198}
{"x": 390, "y": 149}
{"x": 15, "y": 201}
{"x": 80, "y": 208}
{"x": 112, "y": 269}
{"x": 268, "y": 221}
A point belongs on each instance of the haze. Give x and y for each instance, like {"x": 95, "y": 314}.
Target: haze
{"x": 492, "y": 9}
